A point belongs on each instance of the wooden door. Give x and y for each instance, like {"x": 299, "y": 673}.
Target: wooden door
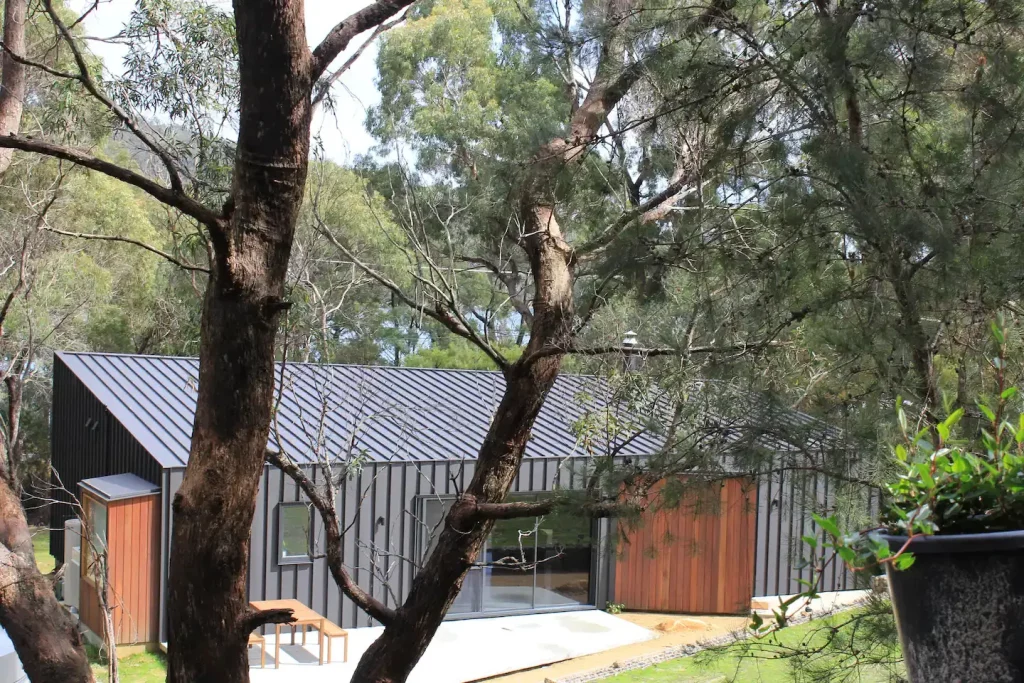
{"x": 696, "y": 558}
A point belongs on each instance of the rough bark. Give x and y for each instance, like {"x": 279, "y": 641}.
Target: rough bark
{"x": 44, "y": 634}
{"x": 391, "y": 658}
{"x": 208, "y": 613}
{"x": 13, "y": 78}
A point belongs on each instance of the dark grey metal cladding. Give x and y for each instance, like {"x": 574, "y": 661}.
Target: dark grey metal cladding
{"x": 86, "y": 441}
{"x": 408, "y": 414}
{"x": 786, "y": 501}
{"x": 379, "y": 506}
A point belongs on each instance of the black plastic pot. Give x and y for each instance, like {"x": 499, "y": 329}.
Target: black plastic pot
{"x": 960, "y": 607}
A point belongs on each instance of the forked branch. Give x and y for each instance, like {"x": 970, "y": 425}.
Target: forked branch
{"x": 333, "y": 533}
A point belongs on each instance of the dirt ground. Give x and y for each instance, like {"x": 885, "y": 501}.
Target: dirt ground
{"x": 683, "y": 630}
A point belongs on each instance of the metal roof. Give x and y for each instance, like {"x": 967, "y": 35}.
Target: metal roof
{"x": 376, "y": 412}
{"x": 119, "y": 487}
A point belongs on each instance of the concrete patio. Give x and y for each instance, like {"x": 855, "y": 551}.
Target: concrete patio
{"x": 462, "y": 651}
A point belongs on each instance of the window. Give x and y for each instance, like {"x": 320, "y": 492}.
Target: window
{"x": 294, "y": 535}
{"x": 526, "y": 564}
{"x": 95, "y": 514}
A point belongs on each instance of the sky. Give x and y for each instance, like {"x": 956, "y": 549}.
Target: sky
{"x": 342, "y": 133}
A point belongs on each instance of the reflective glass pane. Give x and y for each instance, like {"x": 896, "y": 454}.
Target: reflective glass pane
{"x": 294, "y": 531}
{"x": 563, "y": 560}
{"x": 510, "y": 558}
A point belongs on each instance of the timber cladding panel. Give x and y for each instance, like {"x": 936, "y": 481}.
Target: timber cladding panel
{"x": 133, "y": 535}
{"x": 697, "y": 557}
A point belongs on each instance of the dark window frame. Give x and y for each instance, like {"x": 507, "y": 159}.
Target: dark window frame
{"x": 282, "y": 559}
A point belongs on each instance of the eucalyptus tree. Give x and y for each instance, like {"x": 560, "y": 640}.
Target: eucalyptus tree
{"x": 546, "y": 137}
{"x": 261, "y": 79}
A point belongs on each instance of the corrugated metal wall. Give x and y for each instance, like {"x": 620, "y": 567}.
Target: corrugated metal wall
{"x": 379, "y": 509}
{"x": 785, "y": 502}
{"x": 85, "y": 442}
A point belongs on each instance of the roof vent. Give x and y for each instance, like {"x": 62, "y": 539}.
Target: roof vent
{"x": 632, "y": 354}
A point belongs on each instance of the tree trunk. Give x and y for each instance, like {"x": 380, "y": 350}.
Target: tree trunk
{"x": 391, "y": 658}
{"x": 209, "y": 615}
{"x": 12, "y": 81}
{"x": 44, "y": 634}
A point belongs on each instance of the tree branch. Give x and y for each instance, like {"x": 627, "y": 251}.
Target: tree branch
{"x": 438, "y": 312}
{"x": 168, "y": 196}
{"x": 615, "y": 229}
{"x": 469, "y": 509}
{"x": 342, "y": 34}
{"x": 510, "y": 281}
{"x": 86, "y": 80}
{"x": 332, "y": 528}
{"x": 323, "y": 86}
{"x": 260, "y": 617}
{"x": 738, "y": 347}
{"x": 128, "y": 240}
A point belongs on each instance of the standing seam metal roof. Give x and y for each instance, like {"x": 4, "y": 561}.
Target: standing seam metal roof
{"x": 391, "y": 413}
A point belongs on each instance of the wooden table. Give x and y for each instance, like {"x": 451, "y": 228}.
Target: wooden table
{"x": 304, "y": 616}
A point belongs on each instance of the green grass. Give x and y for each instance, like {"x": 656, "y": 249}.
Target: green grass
{"x": 765, "y": 660}
{"x": 146, "y": 667}
{"x": 41, "y": 544}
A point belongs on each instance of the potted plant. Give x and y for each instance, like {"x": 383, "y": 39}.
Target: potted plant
{"x": 951, "y": 539}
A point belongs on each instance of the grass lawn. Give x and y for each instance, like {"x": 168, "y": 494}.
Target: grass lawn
{"x": 730, "y": 666}
{"x": 141, "y": 668}
{"x": 146, "y": 667}
{"x": 41, "y": 543}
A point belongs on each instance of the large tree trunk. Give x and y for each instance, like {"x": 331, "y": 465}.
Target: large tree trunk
{"x": 393, "y": 655}
{"x": 13, "y": 79}
{"x": 43, "y": 632}
{"x": 391, "y": 658}
{"x": 208, "y": 611}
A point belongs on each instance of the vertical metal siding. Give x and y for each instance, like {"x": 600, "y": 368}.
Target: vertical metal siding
{"x": 378, "y": 492}
{"x": 86, "y": 441}
{"x": 785, "y": 503}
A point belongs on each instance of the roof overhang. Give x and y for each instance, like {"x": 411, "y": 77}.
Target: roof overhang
{"x": 118, "y": 487}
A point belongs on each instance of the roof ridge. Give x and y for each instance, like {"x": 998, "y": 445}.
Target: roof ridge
{"x": 383, "y": 366}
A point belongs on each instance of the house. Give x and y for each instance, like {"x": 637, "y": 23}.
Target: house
{"x": 401, "y": 443}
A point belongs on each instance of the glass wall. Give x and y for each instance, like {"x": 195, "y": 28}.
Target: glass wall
{"x": 531, "y": 563}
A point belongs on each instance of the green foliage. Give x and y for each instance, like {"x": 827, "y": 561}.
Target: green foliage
{"x": 615, "y": 608}
{"x": 458, "y": 354}
{"x": 954, "y": 486}
{"x": 45, "y": 562}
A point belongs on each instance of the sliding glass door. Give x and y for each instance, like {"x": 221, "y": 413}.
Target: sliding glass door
{"x": 526, "y": 564}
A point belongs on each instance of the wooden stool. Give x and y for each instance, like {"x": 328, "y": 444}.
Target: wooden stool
{"x": 257, "y": 639}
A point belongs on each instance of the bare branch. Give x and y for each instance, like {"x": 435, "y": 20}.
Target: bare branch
{"x": 738, "y": 347}
{"x": 329, "y": 515}
{"x": 438, "y": 312}
{"x": 128, "y": 240}
{"x": 168, "y": 196}
{"x": 323, "y": 87}
{"x": 257, "y": 618}
{"x": 469, "y": 509}
{"x": 342, "y": 34}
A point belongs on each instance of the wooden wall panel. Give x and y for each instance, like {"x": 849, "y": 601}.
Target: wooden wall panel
{"x": 133, "y": 567}
{"x": 696, "y": 558}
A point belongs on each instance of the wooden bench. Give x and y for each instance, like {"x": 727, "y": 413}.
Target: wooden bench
{"x": 331, "y": 630}
{"x": 257, "y": 639}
